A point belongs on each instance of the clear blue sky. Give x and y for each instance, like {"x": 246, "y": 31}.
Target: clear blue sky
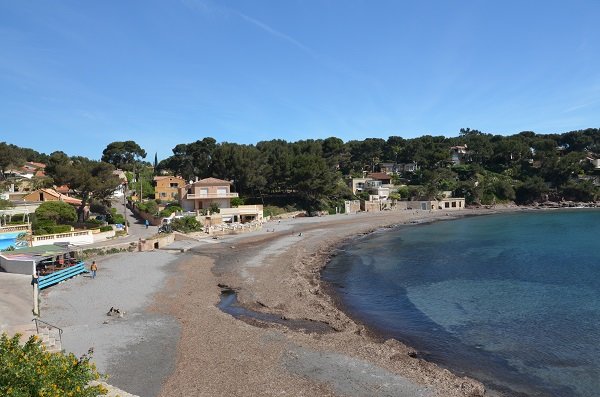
{"x": 75, "y": 76}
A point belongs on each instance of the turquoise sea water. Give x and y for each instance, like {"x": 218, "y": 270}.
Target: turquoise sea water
{"x": 512, "y": 299}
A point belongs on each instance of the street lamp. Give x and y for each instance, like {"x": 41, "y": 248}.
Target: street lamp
{"x": 125, "y": 206}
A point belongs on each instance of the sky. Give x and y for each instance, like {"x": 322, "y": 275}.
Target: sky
{"x": 75, "y": 76}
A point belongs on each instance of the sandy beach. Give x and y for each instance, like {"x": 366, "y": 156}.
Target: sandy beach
{"x": 174, "y": 340}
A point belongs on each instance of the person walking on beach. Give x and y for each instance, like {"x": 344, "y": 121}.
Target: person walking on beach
{"x": 94, "y": 268}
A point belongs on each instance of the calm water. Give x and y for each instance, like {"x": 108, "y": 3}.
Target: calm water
{"x": 8, "y": 239}
{"x": 512, "y": 300}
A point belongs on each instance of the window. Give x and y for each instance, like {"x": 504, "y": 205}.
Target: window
{"x": 163, "y": 194}
{"x": 454, "y": 204}
{"x": 447, "y": 204}
{"x": 174, "y": 185}
{"x": 222, "y": 191}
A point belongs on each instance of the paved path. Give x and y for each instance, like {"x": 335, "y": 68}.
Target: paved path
{"x": 136, "y": 229}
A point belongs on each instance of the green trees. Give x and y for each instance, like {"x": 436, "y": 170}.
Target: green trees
{"x": 124, "y": 155}
{"x": 29, "y": 370}
{"x": 58, "y": 212}
{"x": 87, "y": 178}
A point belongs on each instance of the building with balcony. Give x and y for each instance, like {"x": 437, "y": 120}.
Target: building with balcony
{"x": 166, "y": 188}
{"x": 206, "y": 192}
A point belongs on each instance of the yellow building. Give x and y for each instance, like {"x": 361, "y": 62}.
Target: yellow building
{"x": 167, "y": 187}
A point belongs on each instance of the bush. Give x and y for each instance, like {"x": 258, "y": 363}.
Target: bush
{"x": 169, "y": 210}
{"x": 93, "y": 223}
{"x": 273, "y": 210}
{"x": 114, "y": 217}
{"x": 236, "y": 202}
{"x": 149, "y": 207}
{"x": 106, "y": 228}
{"x": 29, "y": 370}
{"x": 52, "y": 229}
{"x": 57, "y": 211}
{"x": 187, "y": 224}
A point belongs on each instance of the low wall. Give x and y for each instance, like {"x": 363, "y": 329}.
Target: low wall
{"x": 102, "y": 236}
{"x": 14, "y": 228}
{"x": 17, "y": 267}
{"x": 225, "y": 228}
{"x": 75, "y": 238}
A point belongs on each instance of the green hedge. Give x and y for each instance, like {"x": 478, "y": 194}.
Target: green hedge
{"x": 52, "y": 229}
{"x": 106, "y": 228}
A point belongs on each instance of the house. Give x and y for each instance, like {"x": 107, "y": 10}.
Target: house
{"x": 410, "y": 167}
{"x": 389, "y": 168}
{"x": 458, "y": 154}
{"x": 594, "y": 161}
{"x": 204, "y": 193}
{"x": 50, "y": 195}
{"x": 385, "y": 179}
{"x": 358, "y": 185}
{"x": 167, "y": 187}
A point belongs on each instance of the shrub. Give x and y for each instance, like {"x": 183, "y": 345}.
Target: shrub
{"x": 214, "y": 208}
{"x": 149, "y": 207}
{"x": 52, "y": 229}
{"x": 115, "y": 217}
{"x": 169, "y": 210}
{"x": 29, "y": 370}
{"x": 106, "y": 228}
{"x": 57, "y": 211}
{"x": 187, "y": 224}
{"x": 237, "y": 201}
{"x": 273, "y": 210}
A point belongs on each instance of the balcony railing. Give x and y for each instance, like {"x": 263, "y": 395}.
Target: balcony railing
{"x": 210, "y": 196}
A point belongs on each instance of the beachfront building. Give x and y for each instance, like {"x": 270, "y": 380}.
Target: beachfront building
{"x": 205, "y": 193}
{"x": 167, "y": 187}
{"x": 448, "y": 204}
{"x": 209, "y": 192}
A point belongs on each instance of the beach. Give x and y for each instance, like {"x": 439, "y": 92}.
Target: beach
{"x": 174, "y": 340}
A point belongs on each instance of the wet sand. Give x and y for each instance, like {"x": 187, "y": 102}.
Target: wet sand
{"x": 277, "y": 272}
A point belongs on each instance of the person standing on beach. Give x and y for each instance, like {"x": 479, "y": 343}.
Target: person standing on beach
{"x": 146, "y": 223}
{"x": 94, "y": 268}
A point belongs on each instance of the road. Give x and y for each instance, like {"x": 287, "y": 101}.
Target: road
{"x": 136, "y": 229}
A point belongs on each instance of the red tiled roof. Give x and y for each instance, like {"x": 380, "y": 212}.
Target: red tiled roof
{"x": 211, "y": 182}
{"x": 379, "y": 175}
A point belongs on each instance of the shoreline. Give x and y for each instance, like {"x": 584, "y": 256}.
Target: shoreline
{"x": 297, "y": 292}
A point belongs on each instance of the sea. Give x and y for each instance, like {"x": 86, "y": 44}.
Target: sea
{"x": 512, "y": 300}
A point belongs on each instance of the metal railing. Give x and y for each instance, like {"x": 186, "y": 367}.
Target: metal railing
{"x": 37, "y": 328}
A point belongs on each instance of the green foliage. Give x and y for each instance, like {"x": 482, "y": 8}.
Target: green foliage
{"x": 29, "y": 370}
{"x": 165, "y": 213}
{"x": 5, "y": 204}
{"x": 187, "y": 224}
{"x": 51, "y": 229}
{"x": 106, "y": 228}
{"x": 531, "y": 190}
{"x": 272, "y": 210}
{"x": 56, "y": 211}
{"x": 85, "y": 177}
{"x": 237, "y": 201}
{"x": 123, "y": 155}
{"x": 214, "y": 208}
{"x": 115, "y": 218}
{"x": 149, "y": 207}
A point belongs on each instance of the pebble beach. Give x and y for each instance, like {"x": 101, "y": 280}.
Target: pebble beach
{"x": 174, "y": 340}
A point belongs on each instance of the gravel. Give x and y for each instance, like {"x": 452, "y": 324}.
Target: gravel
{"x": 137, "y": 350}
